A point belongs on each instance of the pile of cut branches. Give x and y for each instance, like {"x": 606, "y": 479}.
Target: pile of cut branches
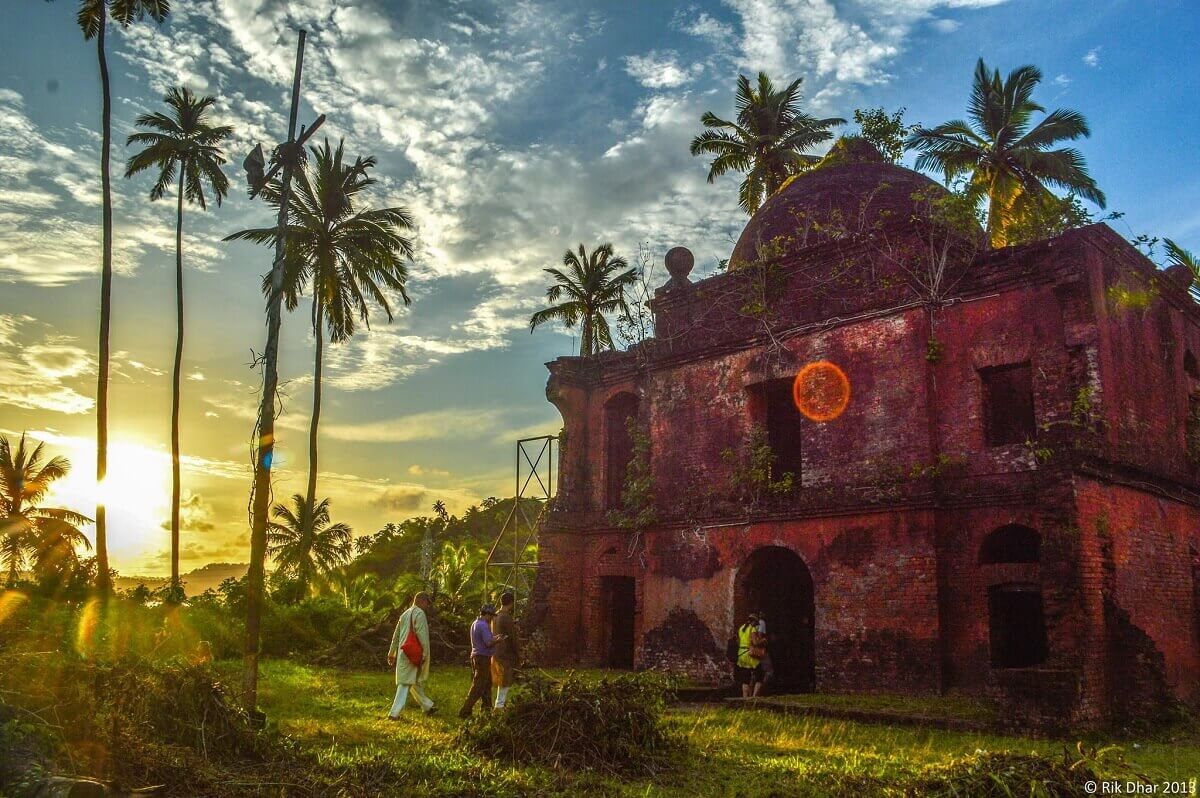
{"x": 614, "y": 726}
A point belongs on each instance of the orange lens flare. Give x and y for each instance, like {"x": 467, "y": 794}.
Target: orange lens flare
{"x": 10, "y": 600}
{"x": 89, "y": 622}
{"x": 821, "y": 391}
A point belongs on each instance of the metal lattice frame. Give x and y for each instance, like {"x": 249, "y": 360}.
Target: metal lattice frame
{"x": 534, "y": 480}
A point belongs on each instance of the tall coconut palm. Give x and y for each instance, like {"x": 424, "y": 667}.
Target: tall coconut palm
{"x": 350, "y": 257}
{"x": 93, "y": 19}
{"x": 594, "y": 285}
{"x": 1009, "y": 160}
{"x": 304, "y": 544}
{"x": 47, "y": 535}
{"x": 767, "y": 142}
{"x": 182, "y": 143}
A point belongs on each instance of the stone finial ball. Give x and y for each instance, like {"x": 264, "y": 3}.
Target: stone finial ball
{"x": 679, "y": 263}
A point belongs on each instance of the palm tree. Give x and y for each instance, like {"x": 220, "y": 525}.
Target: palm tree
{"x": 304, "y": 544}
{"x": 1009, "y": 160}
{"x": 593, "y": 287}
{"x": 1178, "y": 256}
{"x": 183, "y": 142}
{"x": 93, "y": 20}
{"x": 767, "y": 141}
{"x": 47, "y": 535}
{"x": 349, "y": 257}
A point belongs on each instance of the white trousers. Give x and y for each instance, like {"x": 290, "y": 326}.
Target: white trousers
{"x": 402, "y": 698}
{"x": 501, "y": 695}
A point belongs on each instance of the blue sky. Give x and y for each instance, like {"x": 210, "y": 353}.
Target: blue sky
{"x": 511, "y": 130}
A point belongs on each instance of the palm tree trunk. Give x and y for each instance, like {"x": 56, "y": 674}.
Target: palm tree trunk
{"x": 265, "y": 427}
{"x": 311, "y": 496}
{"x": 175, "y": 384}
{"x": 585, "y": 338}
{"x": 103, "y": 584}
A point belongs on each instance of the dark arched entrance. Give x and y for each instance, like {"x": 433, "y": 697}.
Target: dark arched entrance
{"x": 774, "y": 581}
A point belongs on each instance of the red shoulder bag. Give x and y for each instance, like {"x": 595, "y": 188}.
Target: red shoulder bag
{"x": 412, "y": 645}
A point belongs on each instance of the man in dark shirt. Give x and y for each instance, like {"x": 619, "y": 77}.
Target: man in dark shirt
{"x": 482, "y": 649}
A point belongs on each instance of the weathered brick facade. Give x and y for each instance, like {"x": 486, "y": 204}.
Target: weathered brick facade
{"x": 881, "y": 544}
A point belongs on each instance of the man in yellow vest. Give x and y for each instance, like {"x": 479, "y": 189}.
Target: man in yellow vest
{"x": 751, "y": 647}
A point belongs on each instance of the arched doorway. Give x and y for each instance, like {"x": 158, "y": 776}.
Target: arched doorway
{"x": 775, "y": 582}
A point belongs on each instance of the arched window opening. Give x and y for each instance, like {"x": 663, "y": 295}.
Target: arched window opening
{"x": 1012, "y": 543}
{"x": 1016, "y": 625}
{"x": 618, "y": 445}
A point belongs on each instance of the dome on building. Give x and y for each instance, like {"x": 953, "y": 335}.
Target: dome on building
{"x": 854, "y": 190}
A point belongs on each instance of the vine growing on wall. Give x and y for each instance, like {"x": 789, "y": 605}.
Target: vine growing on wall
{"x": 637, "y": 510}
{"x": 752, "y": 477}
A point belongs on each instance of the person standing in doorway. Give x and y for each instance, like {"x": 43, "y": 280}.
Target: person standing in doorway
{"x": 507, "y": 654}
{"x": 765, "y": 667}
{"x": 482, "y": 649}
{"x": 409, "y": 653}
{"x": 748, "y": 673}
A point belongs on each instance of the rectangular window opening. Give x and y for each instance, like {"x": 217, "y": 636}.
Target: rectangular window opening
{"x": 1008, "y": 415}
{"x": 783, "y": 423}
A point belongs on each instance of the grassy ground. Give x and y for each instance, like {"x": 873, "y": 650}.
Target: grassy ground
{"x": 735, "y": 752}
{"x": 957, "y": 707}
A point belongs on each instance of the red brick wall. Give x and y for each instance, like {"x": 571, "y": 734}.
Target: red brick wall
{"x": 1148, "y": 573}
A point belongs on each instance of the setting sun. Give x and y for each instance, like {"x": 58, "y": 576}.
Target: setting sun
{"x": 135, "y": 492}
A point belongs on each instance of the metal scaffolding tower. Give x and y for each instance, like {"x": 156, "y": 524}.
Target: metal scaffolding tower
{"x": 534, "y": 480}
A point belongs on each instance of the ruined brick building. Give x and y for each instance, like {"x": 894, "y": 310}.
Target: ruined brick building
{"x": 1009, "y": 503}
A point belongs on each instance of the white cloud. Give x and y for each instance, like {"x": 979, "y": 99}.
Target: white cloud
{"x": 834, "y": 47}
{"x": 946, "y": 25}
{"x": 1062, "y": 80}
{"x": 41, "y": 371}
{"x": 706, "y": 26}
{"x": 1092, "y": 57}
{"x": 656, "y": 70}
{"x": 431, "y": 425}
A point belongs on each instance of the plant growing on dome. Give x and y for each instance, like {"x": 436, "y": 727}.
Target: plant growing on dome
{"x": 887, "y": 132}
{"x": 767, "y": 141}
{"x": 1008, "y": 160}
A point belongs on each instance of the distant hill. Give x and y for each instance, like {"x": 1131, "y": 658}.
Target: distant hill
{"x": 195, "y": 582}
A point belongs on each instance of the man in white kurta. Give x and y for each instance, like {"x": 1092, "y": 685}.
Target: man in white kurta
{"x": 409, "y": 675}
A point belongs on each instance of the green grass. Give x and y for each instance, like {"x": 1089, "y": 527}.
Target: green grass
{"x": 956, "y": 707}
{"x": 341, "y": 715}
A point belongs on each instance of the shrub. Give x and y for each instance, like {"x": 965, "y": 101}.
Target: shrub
{"x": 614, "y": 726}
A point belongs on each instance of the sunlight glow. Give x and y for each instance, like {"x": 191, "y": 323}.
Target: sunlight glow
{"x": 135, "y": 493}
